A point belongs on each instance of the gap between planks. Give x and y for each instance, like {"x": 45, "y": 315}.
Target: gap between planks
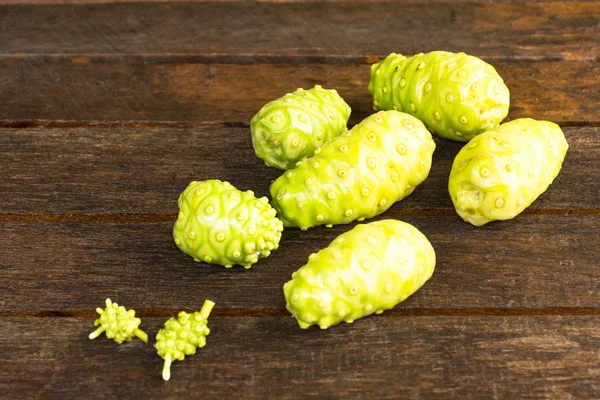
{"x": 282, "y": 312}
{"x": 152, "y": 218}
{"x": 47, "y": 123}
{"x": 251, "y": 58}
{"x": 57, "y": 2}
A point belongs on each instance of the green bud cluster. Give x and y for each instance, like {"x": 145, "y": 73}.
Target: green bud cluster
{"x": 182, "y": 335}
{"x": 118, "y": 323}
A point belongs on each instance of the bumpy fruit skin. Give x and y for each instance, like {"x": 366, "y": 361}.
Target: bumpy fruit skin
{"x": 182, "y": 335}
{"x": 219, "y": 224}
{"x": 290, "y": 128}
{"x": 118, "y": 323}
{"x": 366, "y": 270}
{"x": 456, "y": 95}
{"x": 357, "y": 175}
{"x": 501, "y": 172}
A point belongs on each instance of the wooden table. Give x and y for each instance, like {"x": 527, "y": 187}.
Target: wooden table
{"x": 108, "y": 111}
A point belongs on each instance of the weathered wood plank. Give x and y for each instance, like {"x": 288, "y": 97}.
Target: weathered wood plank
{"x": 82, "y": 89}
{"x": 269, "y": 1}
{"x": 355, "y": 29}
{"x": 143, "y": 170}
{"x": 257, "y": 358}
{"x": 533, "y": 263}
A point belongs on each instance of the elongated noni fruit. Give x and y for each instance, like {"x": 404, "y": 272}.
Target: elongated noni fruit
{"x": 290, "y": 128}
{"x": 366, "y": 270}
{"x": 219, "y": 224}
{"x": 501, "y": 172}
{"x": 182, "y": 335}
{"x": 456, "y": 95}
{"x": 357, "y": 175}
{"x": 118, "y": 323}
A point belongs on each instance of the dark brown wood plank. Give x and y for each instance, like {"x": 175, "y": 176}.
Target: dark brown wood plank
{"x": 92, "y": 90}
{"x": 143, "y": 170}
{"x": 267, "y": 1}
{"x": 257, "y": 358}
{"x": 355, "y": 29}
{"x": 531, "y": 265}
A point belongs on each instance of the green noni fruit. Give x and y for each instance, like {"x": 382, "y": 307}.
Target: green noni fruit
{"x": 219, "y": 224}
{"x": 501, "y": 172}
{"x": 366, "y": 270}
{"x": 290, "y": 128}
{"x": 118, "y": 323}
{"x": 456, "y": 95}
{"x": 357, "y": 175}
{"x": 182, "y": 335}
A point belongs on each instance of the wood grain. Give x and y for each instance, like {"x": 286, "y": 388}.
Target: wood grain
{"x": 143, "y": 171}
{"x": 117, "y": 92}
{"x": 271, "y": 1}
{"x": 248, "y": 30}
{"x": 257, "y": 358}
{"x": 532, "y": 263}
{"x": 139, "y": 98}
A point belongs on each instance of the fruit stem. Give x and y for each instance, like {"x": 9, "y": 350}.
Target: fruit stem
{"x": 206, "y": 309}
{"x": 141, "y": 334}
{"x": 96, "y": 333}
{"x": 166, "y": 372}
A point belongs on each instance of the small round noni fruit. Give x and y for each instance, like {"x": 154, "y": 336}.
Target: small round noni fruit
{"x": 219, "y": 224}
{"x": 290, "y": 128}
{"x": 501, "y": 172}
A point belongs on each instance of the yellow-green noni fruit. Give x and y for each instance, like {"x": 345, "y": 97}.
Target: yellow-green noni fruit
{"x": 501, "y": 172}
{"x": 290, "y": 128}
{"x": 182, "y": 335}
{"x": 357, "y": 175}
{"x": 118, "y": 323}
{"x": 366, "y": 270}
{"x": 220, "y": 224}
{"x": 457, "y": 96}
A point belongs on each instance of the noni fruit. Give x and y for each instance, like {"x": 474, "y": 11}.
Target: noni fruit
{"x": 501, "y": 172}
{"x": 118, "y": 323}
{"x": 290, "y": 128}
{"x": 456, "y": 95}
{"x": 182, "y": 335}
{"x": 357, "y": 175}
{"x": 219, "y": 224}
{"x": 366, "y": 270}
